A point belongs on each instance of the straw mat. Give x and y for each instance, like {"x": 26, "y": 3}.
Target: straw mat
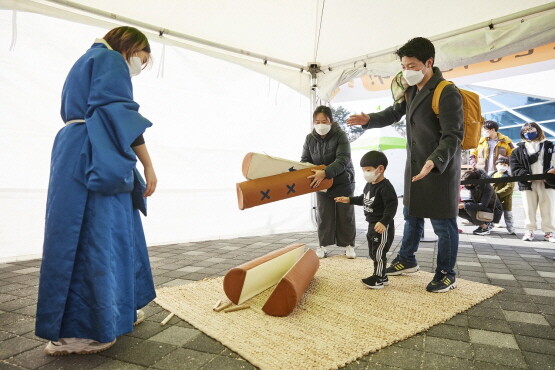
{"x": 337, "y": 321}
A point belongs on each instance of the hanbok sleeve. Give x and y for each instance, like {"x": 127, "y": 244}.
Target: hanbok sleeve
{"x": 113, "y": 123}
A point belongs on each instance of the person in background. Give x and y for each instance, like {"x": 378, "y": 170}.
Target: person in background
{"x": 380, "y": 205}
{"x": 95, "y": 273}
{"x": 482, "y": 198}
{"x": 534, "y": 156}
{"x": 327, "y": 144}
{"x": 432, "y": 170}
{"x": 492, "y": 145}
{"x": 504, "y": 191}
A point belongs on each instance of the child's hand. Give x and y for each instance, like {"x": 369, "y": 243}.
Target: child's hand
{"x": 379, "y": 227}
{"x": 461, "y": 205}
{"x": 342, "y": 199}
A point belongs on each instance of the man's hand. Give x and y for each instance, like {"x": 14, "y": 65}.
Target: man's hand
{"x": 425, "y": 171}
{"x": 342, "y": 200}
{"x": 358, "y": 119}
{"x": 317, "y": 178}
{"x": 379, "y": 227}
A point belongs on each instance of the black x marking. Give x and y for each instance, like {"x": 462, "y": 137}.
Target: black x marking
{"x": 290, "y": 189}
{"x": 265, "y": 194}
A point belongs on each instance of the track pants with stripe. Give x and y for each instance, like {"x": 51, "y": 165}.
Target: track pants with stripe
{"x": 378, "y": 246}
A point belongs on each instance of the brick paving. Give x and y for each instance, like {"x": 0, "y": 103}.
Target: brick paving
{"x": 512, "y": 330}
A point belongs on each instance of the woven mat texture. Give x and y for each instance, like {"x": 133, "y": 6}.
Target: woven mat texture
{"x": 337, "y": 321}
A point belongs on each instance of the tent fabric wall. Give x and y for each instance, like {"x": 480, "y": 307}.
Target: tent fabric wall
{"x": 207, "y": 115}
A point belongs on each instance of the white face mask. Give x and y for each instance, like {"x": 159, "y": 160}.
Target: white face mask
{"x": 371, "y": 176}
{"x": 502, "y": 168}
{"x": 322, "y": 128}
{"x": 485, "y": 133}
{"x": 413, "y": 77}
{"x": 135, "y": 65}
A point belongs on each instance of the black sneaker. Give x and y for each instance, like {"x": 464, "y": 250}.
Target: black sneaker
{"x": 444, "y": 284}
{"x": 373, "y": 282}
{"x": 480, "y": 231}
{"x": 397, "y": 268}
{"x": 385, "y": 280}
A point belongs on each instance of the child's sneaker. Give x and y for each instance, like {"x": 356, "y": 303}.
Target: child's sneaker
{"x": 321, "y": 252}
{"x": 385, "y": 280}
{"x": 350, "y": 252}
{"x": 373, "y": 282}
{"x": 528, "y": 236}
{"x": 397, "y": 268}
{"x": 80, "y": 346}
{"x": 549, "y": 237}
{"x": 482, "y": 231}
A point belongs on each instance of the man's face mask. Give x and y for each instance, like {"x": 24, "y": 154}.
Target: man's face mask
{"x": 413, "y": 77}
{"x": 135, "y": 65}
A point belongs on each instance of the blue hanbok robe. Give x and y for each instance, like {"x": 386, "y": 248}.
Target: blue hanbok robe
{"x": 95, "y": 270}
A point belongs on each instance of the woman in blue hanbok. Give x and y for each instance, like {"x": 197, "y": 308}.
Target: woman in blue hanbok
{"x": 95, "y": 273}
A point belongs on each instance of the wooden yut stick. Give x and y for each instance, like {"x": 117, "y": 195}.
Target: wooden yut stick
{"x": 168, "y": 318}
{"x": 237, "y": 308}
{"x": 223, "y": 306}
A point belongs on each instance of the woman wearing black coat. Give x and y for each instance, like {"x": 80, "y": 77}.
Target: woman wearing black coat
{"x": 327, "y": 144}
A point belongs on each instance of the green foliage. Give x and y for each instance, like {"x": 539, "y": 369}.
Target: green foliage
{"x": 340, "y": 115}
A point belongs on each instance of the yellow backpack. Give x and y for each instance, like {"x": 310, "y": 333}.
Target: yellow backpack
{"x": 472, "y": 113}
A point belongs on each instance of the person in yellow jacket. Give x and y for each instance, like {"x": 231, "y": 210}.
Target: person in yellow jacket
{"x": 491, "y": 146}
{"x": 504, "y": 192}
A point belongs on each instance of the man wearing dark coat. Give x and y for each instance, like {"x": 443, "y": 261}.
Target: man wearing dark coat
{"x": 433, "y": 166}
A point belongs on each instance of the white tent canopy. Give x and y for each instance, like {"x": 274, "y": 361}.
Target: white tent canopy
{"x": 345, "y": 39}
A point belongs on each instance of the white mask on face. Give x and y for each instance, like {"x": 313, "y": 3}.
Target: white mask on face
{"x": 485, "y": 133}
{"x": 322, "y": 128}
{"x": 135, "y": 65}
{"x": 502, "y": 168}
{"x": 371, "y": 176}
{"x": 413, "y": 77}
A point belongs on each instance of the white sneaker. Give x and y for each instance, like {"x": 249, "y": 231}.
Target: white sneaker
{"x": 350, "y": 252}
{"x": 80, "y": 346}
{"x": 321, "y": 252}
{"x": 528, "y": 236}
{"x": 140, "y": 317}
{"x": 550, "y": 237}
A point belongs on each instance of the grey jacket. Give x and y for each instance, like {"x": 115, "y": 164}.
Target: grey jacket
{"x": 334, "y": 151}
{"x": 429, "y": 137}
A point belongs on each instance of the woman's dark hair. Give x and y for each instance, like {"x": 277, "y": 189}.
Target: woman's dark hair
{"x": 127, "y": 41}
{"x": 491, "y": 125}
{"x": 529, "y": 125}
{"x": 419, "y": 48}
{"x": 326, "y": 111}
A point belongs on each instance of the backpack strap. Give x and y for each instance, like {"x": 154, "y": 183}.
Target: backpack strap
{"x": 437, "y": 94}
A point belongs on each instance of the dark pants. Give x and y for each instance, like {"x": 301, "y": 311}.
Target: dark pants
{"x": 378, "y": 246}
{"x": 336, "y": 222}
{"x": 447, "y": 243}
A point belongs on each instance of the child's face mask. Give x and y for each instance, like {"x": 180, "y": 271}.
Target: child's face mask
{"x": 502, "y": 168}
{"x": 371, "y": 176}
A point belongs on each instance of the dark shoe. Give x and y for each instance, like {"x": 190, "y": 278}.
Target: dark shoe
{"x": 444, "y": 284}
{"x": 397, "y": 268}
{"x": 373, "y": 282}
{"x": 480, "y": 231}
{"x": 385, "y": 280}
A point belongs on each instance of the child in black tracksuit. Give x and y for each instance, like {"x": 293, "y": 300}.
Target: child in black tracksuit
{"x": 380, "y": 205}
